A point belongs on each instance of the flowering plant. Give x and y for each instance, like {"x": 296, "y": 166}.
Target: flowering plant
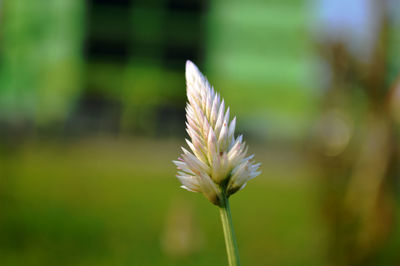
{"x": 217, "y": 165}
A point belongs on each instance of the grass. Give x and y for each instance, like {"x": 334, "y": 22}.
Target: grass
{"x": 116, "y": 202}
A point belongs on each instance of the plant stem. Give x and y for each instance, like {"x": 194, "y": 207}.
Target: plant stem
{"x": 230, "y": 239}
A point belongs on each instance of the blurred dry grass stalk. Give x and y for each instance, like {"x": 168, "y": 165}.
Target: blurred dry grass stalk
{"x": 357, "y": 153}
{"x": 182, "y": 236}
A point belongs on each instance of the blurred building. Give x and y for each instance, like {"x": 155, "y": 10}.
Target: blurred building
{"x": 117, "y": 65}
{"x": 260, "y": 57}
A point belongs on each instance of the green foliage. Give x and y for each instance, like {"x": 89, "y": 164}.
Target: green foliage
{"x": 40, "y": 58}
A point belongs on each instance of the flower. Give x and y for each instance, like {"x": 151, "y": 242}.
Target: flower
{"x": 217, "y": 162}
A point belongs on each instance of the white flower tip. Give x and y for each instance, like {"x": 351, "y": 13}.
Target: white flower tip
{"x": 191, "y": 70}
{"x": 190, "y": 64}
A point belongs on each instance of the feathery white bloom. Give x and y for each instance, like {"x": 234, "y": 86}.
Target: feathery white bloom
{"x": 218, "y": 162}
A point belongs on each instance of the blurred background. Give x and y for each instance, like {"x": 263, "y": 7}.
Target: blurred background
{"x": 92, "y": 97}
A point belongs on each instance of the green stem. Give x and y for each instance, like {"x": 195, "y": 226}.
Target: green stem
{"x": 230, "y": 239}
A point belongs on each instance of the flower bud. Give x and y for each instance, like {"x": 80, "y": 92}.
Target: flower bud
{"x": 218, "y": 162}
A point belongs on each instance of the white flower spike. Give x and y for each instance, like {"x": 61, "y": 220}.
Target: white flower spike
{"x": 218, "y": 163}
